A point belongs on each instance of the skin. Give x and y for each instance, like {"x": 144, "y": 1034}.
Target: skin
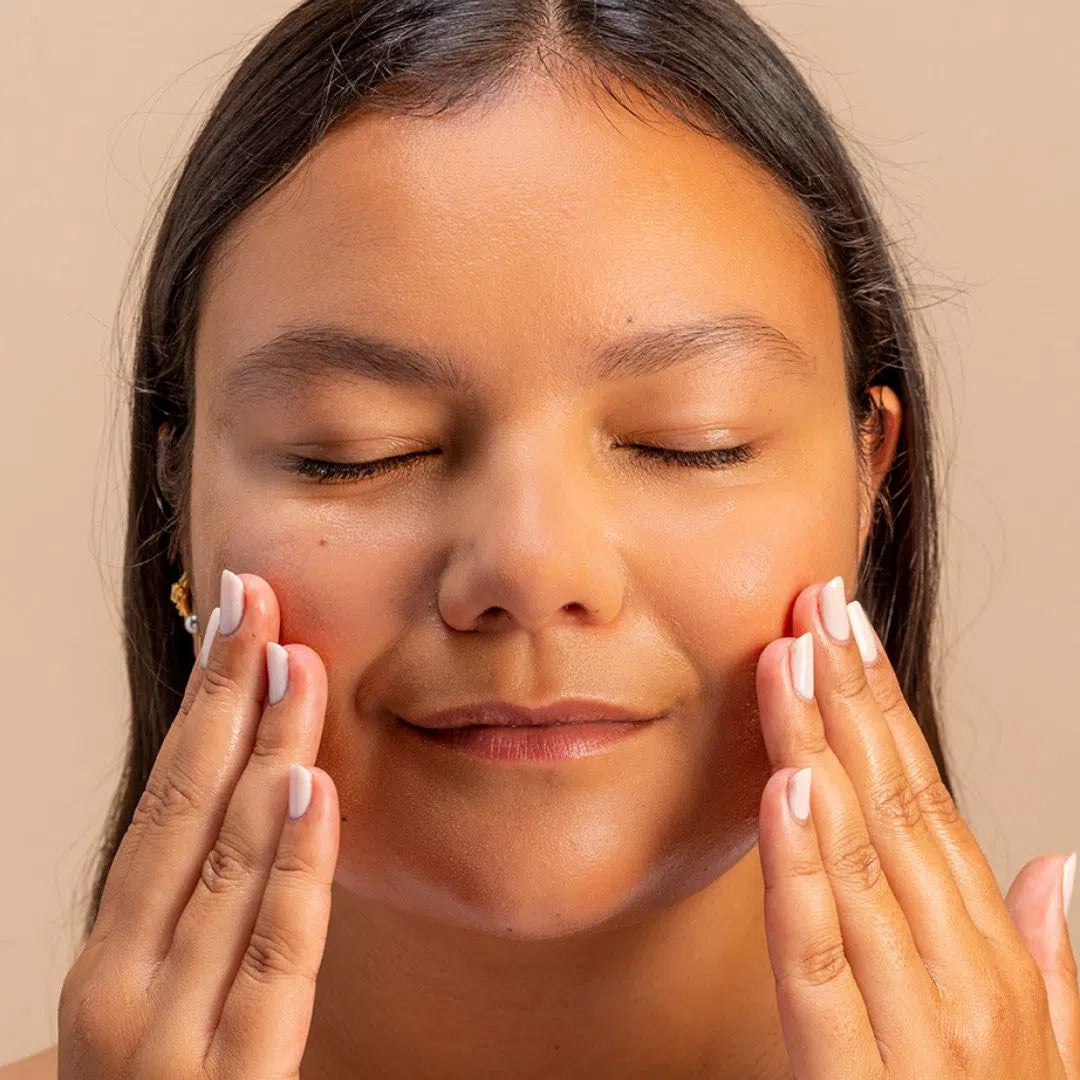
{"x": 516, "y": 240}
{"x": 607, "y": 916}
{"x": 433, "y": 230}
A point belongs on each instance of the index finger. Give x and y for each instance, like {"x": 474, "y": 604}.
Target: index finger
{"x": 202, "y": 755}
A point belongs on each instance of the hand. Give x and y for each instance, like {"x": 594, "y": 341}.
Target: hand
{"x": 893, "y": 951}
{"x": 212, "y": 924}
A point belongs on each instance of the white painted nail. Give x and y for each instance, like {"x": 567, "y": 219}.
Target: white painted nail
{"x": 208, "y": 640}
{"x": 864, "y": 635}
{"x": 1068, "y": 879}
{"x": 232, "y": 602}
{"x": 799, "y": 794}
{"x": 277, "y": 671}
{"x": 299, "y": 791}
{"x": 834, "y": 610}
{"x": 802, "y": 666}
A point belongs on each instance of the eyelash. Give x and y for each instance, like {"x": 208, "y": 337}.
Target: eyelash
{"x": 329, "y": 472}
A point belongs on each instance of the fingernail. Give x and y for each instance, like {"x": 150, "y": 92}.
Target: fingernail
{"x": 232, "y": 602}
{"x": 299, "y": 791}
{"x": 208, "y": 640}
{"x": 834, "y": 610}
{"x": 1068, "y": 879}
{"x": 798, "y": 793}
{"x": 864, "y": 634}
{"x": 802, "y": 666}
{"x": 277, "y": 671}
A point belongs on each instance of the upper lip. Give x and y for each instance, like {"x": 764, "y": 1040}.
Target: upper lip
{"x": 506, "y": 714}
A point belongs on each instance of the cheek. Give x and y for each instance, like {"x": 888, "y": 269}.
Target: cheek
{"x": 727, "y": 581}
{"x": 345, "y": 588}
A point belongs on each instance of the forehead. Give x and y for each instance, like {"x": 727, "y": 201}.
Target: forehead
{"x": 537, "y": 226}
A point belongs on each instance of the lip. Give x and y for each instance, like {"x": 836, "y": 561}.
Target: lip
{"x": 530, "y": 742}
{"x": 504, "y": 714}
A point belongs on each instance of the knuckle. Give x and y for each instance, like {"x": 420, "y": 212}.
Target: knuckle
{"x": 982, "y": 1030}
{"x": 72, "y": 1002}
{"x": 894, "y": 801}
{"x": 292, "y": 868}
{"x": 229, "y": 863}
{"x": 849, "y": 682}
{"x": 270, "y": 957}
{"x": 85, "y": 1025}
{"x": 270, "y": 740}
{"x": 855, "y": 862}
{"x": 1023, "y": 983}
{"x": 799, "y": 866}
{"x": 937, "y": 804}
{"x": 890, "y": 697}
{"x": 217, "y": 682}
{"x": 810, "y": 742}
{"x": 175, "y": 794}
{"x": 820, "y": 963}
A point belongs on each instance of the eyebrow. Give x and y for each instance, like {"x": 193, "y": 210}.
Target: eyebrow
{"x": 308, "y": 353}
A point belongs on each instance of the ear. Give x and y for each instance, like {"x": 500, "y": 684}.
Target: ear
{"x": 161, "y": 451}
{"x": 879, "y": 440}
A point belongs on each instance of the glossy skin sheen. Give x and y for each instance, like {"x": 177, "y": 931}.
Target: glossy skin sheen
{"x": 587, "y": 916}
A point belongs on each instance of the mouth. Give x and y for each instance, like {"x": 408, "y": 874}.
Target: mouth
{"x": 520, "y": 743}
{"x": 505, "y": 714}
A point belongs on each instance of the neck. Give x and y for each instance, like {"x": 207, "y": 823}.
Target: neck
{"x": 687, "y": 993}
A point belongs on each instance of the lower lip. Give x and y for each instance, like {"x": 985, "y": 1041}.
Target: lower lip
{"x": 541, "y": 742}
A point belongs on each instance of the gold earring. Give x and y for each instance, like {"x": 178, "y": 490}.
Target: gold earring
{"x": 180, "y": 595}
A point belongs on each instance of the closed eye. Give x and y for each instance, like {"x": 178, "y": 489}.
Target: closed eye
{"x": 699, "y": 459}
{"x": 327, "y": 472}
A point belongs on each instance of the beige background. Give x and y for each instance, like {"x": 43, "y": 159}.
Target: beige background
{"x": 966, "y": 114}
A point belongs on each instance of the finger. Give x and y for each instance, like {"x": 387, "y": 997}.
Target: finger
{"x": 268, "y": 1010}
{"x": 879, "y": 947}
{"x": 969, "y": 866}
{"x": 859, "y": 735}
{"x": 1036, "y": 902}
{"x": 181, "y": 808}
{"x": 823, "y": 1014}
{"x": 215, "y": 928}
{"x": 129, "y": 842}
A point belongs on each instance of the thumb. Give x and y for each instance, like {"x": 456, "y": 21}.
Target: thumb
{"x": 1037, "y": 904}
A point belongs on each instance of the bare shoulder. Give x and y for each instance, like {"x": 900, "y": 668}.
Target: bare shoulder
{"x": 39, "y": 1067}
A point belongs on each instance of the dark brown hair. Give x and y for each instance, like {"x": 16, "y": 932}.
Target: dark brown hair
{"x": 708, "y": 63}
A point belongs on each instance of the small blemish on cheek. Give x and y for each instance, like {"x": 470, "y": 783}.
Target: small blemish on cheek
{"x": 323, "y": 541}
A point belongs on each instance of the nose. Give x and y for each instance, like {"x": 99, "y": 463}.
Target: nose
{"x": 532, "y": 544}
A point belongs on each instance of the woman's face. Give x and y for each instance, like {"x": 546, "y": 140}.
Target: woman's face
{"x": 531, "y": 556}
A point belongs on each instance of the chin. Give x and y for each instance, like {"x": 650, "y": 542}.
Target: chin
{"x": 541, "y": 895}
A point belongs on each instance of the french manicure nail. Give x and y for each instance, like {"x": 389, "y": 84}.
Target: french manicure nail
{"x": 299, "y": 791}
{"x": 1068, "y": 880}
{"x": 798, "y": 793}
{"x": 277, "y": 671}
{"x": 802, "y": 666}
{"x": 834, "y": 610}
{"x": 232, "y": 602}
{"x": 864, "y": 635}
{"x": 208, "y": 640}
